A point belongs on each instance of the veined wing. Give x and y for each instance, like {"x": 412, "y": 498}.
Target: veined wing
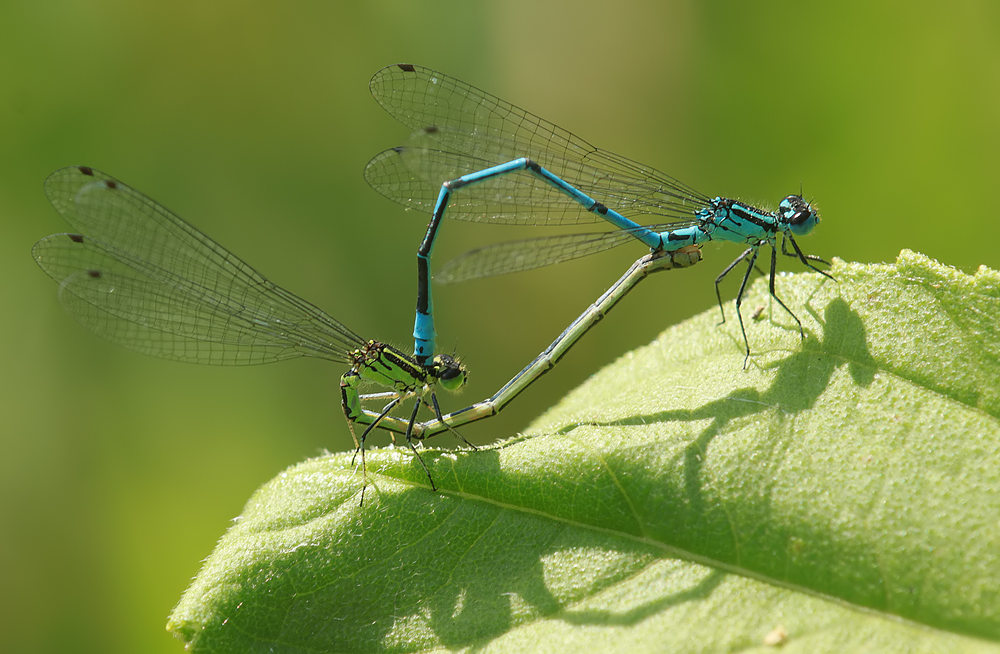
{"x": 515, "y": 256}
{"x": 145, "y": 279}
{"x": 460, "y": 119}
{"x": 412, "y": 176}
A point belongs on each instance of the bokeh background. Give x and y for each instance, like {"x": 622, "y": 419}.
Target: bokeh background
{"x": 253, "y": 121}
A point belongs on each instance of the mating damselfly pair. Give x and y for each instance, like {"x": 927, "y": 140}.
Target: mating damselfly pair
{"x": 142, "y": 277}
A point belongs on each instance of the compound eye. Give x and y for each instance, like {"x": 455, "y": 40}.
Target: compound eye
{"x": 799, "y": 217}
{"x": 450, "y": 373}
{"x": 453, "y": 379}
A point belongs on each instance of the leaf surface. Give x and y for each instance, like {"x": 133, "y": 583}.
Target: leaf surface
{"x": 841, "y": 493}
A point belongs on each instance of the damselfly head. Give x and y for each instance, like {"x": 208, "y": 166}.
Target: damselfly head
{"x": 798, "y": 214}
{"x": 449, "y": 371}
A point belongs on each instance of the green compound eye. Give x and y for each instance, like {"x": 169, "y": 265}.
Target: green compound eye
{"x": 451, "y": 374}
{"x": 143, "y": 278}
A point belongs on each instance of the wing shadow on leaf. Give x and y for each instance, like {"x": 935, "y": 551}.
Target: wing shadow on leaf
{"x": 319, "y": 573}
{"x": 800, "y": 380}
{"x": 460, "y": 567}
{"x": 503, "y": 563}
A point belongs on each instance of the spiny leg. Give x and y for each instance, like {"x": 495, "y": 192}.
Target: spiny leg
{"x": 729, "y": 268}
{"x": 409, "y": 441}
{"x": 361, "y": 444}
{"x": 804, "y": 258}
{"x": 440, "y": 417}
{"x": 739, "y": 297}
{"x": 367, "y": 397}
{"x": 774, "y": 265}
{"x": 364, "y": 435}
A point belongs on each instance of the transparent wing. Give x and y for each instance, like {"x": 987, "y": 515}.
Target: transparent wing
{"x": 412, "y": 176}
{"x": 480, "y": 130}
{"x": 143, "y": 278}
{"x": 515, "y": 256}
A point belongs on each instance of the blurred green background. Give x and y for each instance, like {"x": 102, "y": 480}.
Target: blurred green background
{"x": 253, "y": 121}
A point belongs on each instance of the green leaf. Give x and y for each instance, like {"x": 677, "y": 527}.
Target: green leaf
{"x": 841, "y": 493}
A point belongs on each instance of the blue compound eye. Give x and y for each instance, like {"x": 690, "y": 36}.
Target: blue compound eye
{"x": 799, "y": 217}
{"x": 798, "y": 214}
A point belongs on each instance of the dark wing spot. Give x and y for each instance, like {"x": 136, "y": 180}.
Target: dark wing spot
{"x": 431, "y": 129}
{"x": 86, "y": 170}
{"x": 406, "y": 68}
{"x": 76, "y": 238}
{"x": 96, "y": 274}
{"x": 112, "y": 184}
